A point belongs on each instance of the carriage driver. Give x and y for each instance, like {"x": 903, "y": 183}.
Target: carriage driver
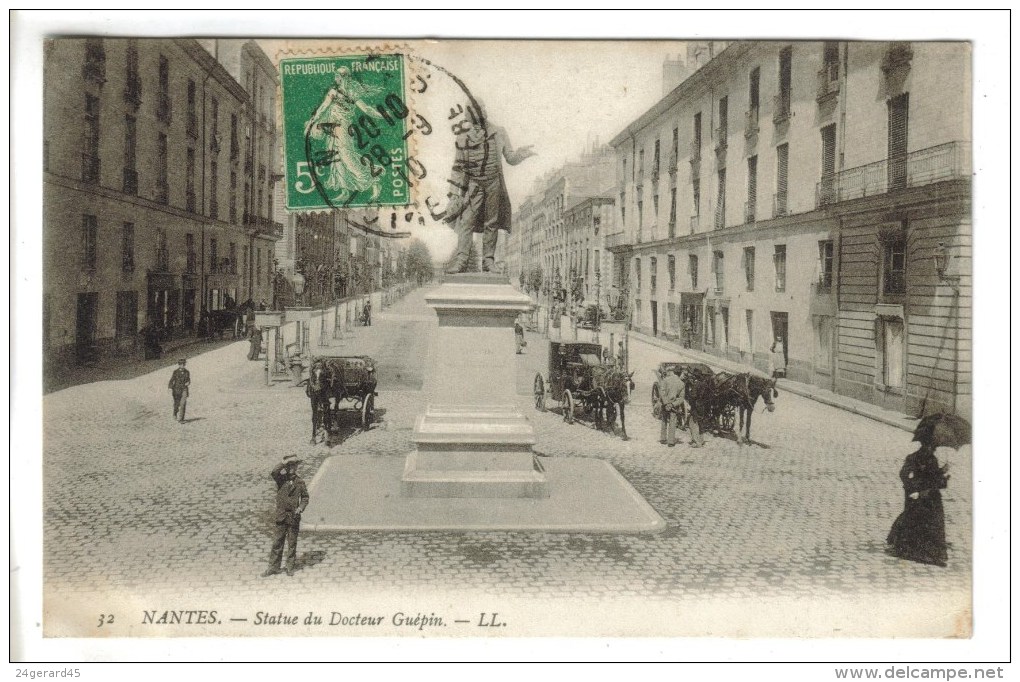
{"x": 671, "y": 395}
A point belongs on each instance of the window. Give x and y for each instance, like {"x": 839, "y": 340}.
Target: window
{"x": 674, "y": 150}
{"x": 749, "y": 331}
{"x": 722, "y": 132}
{"x": 655, "y": 166}
{"x": 749, "y": 267}
{"x": 235, "y": 148}
{"x": 894, "y": 266}
{"x": 653, "y": 272}
{"x": 696, "y": 190}
{"x": 162, "y": 181}
{"x": 640, "y": 217}
{"x": 232, "y": 263}
{"x": 130, "y": 148}
{"x": 692, "y": 270}
{"x": 127, "y": 248}
{"x": 779, "y": 260}
{"x": 696, "y": 142}
{"x": 132, "y": 81}
{"x": 213, "y": 255}
{"x": 671, "y": 268}
{"x": 258, "y": 266}
{"x": 190, "y": 254}
{"x": 829, "y": 163}
{"x": 89, "y": 236}
{"x": 754, "y": 89}
{"x": 637, "y": 274}
{"x": 189, "y": 183}
{"x": 892, "y": 353}
{"x": 623, "y": 208}
{"x": 94, "y": 66}
{"x": 162, "y": 253}
{"x": 898, "y": 117}
{"x": 824, "y": 327}
{"x": 825, "y": 264}
{"x": 720, "y": 206}
{"x": 655, "y": 208}
{"x": 214, "y": 185}
{"x": 233, "y": 196}
{"x": 717, "y": 267}
{"x": 641, "y": 165}
{"x": 724, "y": 337}
{"x": 672, "y": 212}
{"x": 90, "y": 157}
{"x": 192, "y": 113}
{"x": 214, "y": 107}
{"x": 782, "y": 172}
{"x": 783, "y": 99}
{"x": 752, "y": 189}
{"x": 163, "y": 100}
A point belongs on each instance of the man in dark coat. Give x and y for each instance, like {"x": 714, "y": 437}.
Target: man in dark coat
{"x": 180, "y": 380}
{"x": 291, "y": 500}
{"x": 482, "y": 204}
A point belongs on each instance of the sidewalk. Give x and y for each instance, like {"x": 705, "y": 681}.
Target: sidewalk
{"x": 900, "y": 421}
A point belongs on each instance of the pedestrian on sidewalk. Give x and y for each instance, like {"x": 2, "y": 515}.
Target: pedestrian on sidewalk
{"x": 180, "y": 380}
{"x": 291, "y": 500}
{"x": 671, "y": 395}
{"x": 367, "y": 312}
{"x": 255, "y": 343}
{"x": 777, "y": 360}
{"x": 919, "y": 532}
{"x": 519, "y": 336}
{"x": 687, "y": 333}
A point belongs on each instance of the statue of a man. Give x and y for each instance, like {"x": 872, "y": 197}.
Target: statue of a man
{"x": 480, "y": 202}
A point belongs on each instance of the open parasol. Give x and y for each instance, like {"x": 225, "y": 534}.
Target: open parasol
{"x": 943, "y": 430}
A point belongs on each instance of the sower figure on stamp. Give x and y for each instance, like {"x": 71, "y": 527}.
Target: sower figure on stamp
{"x": 291, "y": 500}
{"x": 482, "y": 203}
{"x": 180, "y": 380}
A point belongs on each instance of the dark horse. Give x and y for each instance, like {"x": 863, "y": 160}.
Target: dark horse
{"x": 612, "y": 386}
{"x": 741, "y": 391}
{"x": 318, "y": 390}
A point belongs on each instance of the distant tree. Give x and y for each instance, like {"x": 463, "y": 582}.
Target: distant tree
{"x": 521, "y": 280}
{"x": 535, "y": 278}
{"x": 419, "y": 262}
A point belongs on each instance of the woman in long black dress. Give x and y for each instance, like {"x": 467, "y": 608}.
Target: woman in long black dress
{"x": 919, "y": 532}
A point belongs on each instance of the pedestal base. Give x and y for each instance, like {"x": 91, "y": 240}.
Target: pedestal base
{"x": 465, "y": 451}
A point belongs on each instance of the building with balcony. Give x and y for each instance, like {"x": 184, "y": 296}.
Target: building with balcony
{"x": 813, "y": 226}
{"x": 147, "y": 144}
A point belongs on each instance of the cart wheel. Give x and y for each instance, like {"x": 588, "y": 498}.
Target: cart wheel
{"x": 367, "y": 411}
{"x": 656, "y": 404}
{"x": 539, "y": 388}
{"x": 728, "y": 419}
{"x": 568, "y": 407}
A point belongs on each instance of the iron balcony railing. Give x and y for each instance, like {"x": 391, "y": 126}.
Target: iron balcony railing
{"x": 898, "y": 55}
{"x": 263, "y": 225}
{"x": 926, "y": 166}
{"x": 828, "y": 81}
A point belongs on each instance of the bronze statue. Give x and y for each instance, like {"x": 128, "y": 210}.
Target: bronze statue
{"x": 482, "y": 203}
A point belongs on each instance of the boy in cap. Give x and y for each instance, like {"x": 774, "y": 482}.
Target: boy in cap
{"x": 179, "y": 382}
{"x": 291, "y": 500}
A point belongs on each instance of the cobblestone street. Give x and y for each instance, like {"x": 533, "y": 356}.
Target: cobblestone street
{"x": 143, "y": 513}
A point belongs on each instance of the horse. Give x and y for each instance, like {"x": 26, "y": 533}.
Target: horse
{"x": 612, "y": 386}
{"x": 318, "y": 389}
{"x": 741, "y": 392}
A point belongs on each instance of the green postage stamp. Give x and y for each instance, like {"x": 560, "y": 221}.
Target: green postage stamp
{"x": 345, "y": 127}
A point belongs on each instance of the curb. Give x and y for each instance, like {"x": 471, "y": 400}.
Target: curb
{"x": 902, "y": 422}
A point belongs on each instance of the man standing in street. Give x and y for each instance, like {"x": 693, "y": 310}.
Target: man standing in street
{"x": 697, "y": 407}
{"x": 671, "y": 394}
{"x": 291, "y": 500}
{"x": 180, "y": 380}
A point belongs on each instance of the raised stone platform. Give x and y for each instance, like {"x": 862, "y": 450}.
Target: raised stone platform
{"x": 363, "y": 493}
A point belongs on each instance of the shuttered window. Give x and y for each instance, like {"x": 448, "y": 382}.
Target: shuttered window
{"x": 898, "y": 114}
{"x": 782, "y": 172}
{"x": 752, "y": 188}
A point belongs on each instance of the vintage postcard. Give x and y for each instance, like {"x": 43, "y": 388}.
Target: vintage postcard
{"x": 403, "y": 338}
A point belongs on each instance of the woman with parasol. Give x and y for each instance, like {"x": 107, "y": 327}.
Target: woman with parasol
{"x": 919, "y": 532}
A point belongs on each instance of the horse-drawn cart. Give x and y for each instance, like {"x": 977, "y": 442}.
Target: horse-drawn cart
{"x": 346, "y": 380}
{"x": 583, "y": 384}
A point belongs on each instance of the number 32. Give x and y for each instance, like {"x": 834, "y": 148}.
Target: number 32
{"x": 105, "y": 620}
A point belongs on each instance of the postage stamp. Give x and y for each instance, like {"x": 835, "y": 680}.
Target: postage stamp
{"x": 345, "y": 121}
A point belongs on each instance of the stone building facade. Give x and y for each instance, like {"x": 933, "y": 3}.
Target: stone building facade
{"x": 793, "y": 195}
{"x": 156, "y": 188}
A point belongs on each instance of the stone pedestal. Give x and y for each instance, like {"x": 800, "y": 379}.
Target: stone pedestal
{"x": 472, "y": 440}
